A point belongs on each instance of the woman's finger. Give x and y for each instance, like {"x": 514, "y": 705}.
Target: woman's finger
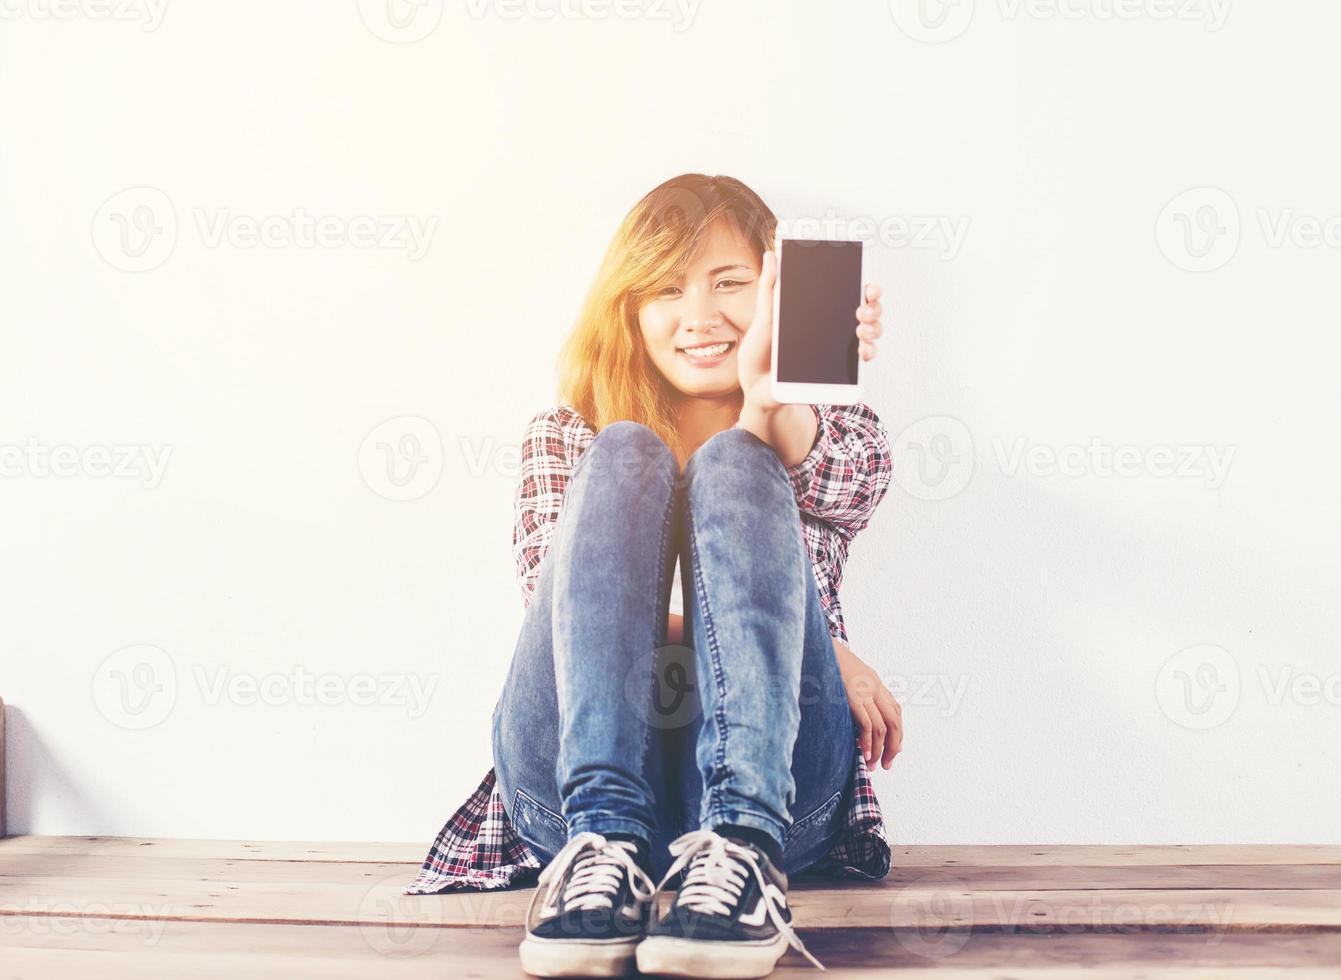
{"x": 872, "y": 292}
{"x": 877, "y": 740}
{"x": 893, "y": 734}
{"x": 893, "y": 743}
{"x": 863, "y": 721}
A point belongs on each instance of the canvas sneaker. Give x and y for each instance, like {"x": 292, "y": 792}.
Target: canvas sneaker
{"x": 730, "y": 917}
{"x": 596, "y": 909}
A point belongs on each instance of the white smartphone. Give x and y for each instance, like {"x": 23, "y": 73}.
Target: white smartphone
{"x": 815, "y": 300}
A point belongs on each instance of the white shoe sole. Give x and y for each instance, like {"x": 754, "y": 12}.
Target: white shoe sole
{"x": 668, "y": 956}
{"x": 571, "y": 958}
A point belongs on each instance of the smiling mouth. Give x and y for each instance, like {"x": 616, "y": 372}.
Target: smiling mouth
{"x": 707, "y": 352}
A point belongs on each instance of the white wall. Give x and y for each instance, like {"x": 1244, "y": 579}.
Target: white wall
{"x": 1044, "y": 609}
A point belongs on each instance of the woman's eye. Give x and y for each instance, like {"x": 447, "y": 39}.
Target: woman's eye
{"x": 667, "y": 290}
{"x": 730, "y": 282}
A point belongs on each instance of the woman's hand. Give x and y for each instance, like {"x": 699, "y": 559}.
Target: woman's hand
{"x": 869, "y": 327}
{"x": 754, "y": 357}
{"x": 878, "y": 716}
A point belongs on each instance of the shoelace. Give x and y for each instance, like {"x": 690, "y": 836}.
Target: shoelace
{"x": 598, "y": 865}
{"x": 718, "y": 870}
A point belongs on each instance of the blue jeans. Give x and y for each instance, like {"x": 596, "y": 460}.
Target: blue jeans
{"x": 602, "y": 726}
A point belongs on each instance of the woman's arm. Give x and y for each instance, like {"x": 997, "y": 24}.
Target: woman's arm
{"x": 789, "y": 429}
{"x": 878, "y": 716}
{"x": 848, "y": 470}
{"x": 836, "y": 456}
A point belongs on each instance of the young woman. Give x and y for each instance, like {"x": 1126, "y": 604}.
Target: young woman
{"x": 725, "y": 743}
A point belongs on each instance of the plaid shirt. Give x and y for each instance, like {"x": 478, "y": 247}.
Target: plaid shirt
{"x": 838, "y": 486}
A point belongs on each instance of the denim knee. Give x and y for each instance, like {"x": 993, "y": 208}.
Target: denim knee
{"x": 628, "y": 448}
{"x": 735, "y": 450}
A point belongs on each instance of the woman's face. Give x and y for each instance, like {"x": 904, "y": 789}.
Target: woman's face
{"x": 712, "y": 305}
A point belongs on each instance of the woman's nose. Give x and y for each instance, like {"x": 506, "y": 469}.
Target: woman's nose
{"x": 701, "y": 311}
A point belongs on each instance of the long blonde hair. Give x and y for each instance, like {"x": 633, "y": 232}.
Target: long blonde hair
{"x": 604, "y": 370}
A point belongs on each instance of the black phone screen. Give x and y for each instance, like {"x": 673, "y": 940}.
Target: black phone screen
{"x": 817, "y": 311}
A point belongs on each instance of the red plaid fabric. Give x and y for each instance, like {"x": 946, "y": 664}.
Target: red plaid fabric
{"x": 838, "y": 486}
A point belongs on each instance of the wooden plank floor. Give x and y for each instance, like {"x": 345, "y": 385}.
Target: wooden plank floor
{"x": 84, "y": 907}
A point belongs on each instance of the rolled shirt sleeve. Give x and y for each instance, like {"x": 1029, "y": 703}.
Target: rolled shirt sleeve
{"x": 847, "y": 472}
{"x": 546, "y": 466}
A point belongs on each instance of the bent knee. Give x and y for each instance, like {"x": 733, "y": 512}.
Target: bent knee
{"x": 630, "y": 448}
{"x": 733, "y": 450}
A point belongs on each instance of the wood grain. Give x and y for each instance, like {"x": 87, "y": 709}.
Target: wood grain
{"x": 86, "y": 907}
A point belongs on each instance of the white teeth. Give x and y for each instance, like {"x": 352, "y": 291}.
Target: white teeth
{"x": 712, "y": 351}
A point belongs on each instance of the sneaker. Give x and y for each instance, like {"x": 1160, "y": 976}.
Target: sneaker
{"x": 596, "y": 910}
{"x": 730, "y": 917}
